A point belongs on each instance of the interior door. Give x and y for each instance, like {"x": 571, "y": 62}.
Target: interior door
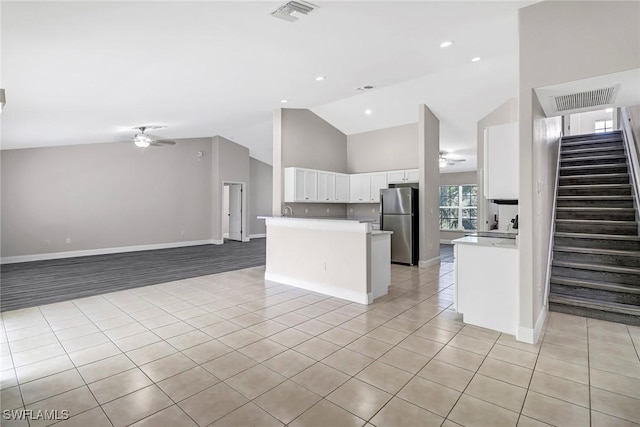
{"x": 235, "y": 212}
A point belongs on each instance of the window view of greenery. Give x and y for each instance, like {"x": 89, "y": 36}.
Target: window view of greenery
{"x": 458, "y": 207}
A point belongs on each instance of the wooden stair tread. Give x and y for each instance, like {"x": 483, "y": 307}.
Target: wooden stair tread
{"x": 604, "y": 157}
{"x": 596, "y": 221}
{"x": 595, "y": 284}
{"x": 604, "y": 166}
{"x": 597, "y": 236}
{"x": 594, "y": 186}
{"x": 595, "y": 197}
{"x": 593, "y": 209}
{"x": 596, "y": 267}
{"x": 596, "y": 305}
{"x": 594, "y": 176}
{"x": 616, "y": 252}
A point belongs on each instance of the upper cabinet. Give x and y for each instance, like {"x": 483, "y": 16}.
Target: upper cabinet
{"x": 308, "y": 185}
{"x": 501, "y": 171}
{"x": 300, "y": 185}
{"x": 365, "y": 187}
{"x": 360, "y": 188}
{"x": 342, "y": 188}
{"x": 402, "y": 176}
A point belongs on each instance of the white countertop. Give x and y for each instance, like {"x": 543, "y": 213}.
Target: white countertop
{"x": 319, "y": 218}
{"x": 487, "y": 241}
{"x": 377, "y": 232}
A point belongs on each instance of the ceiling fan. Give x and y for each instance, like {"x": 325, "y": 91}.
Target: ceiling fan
{"x": 144, "y": 140}
{"x": 446, "y": 161}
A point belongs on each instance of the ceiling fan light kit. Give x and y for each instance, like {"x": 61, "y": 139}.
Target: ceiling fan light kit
{"x": 144, "y": 140}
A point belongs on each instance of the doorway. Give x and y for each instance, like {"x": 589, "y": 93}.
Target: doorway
{"x": 233, "y": 215}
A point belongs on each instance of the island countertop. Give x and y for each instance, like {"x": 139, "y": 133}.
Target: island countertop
{"x": 317, "y": 218}
{"x": 487, "y": 241}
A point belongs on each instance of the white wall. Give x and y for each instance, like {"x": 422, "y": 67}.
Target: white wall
{"x": 584, "y": 123}
{"x": 261, "y": 190}
{"x": 559, "y": 42}
{"x": 104, "y": 196}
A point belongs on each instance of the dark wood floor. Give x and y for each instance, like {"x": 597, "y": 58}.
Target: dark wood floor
{"x": 30, "y": 284}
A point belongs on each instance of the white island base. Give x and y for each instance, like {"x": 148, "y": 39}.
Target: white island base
{"x": 340, "y": 258}
{"x": 487, "y": 282}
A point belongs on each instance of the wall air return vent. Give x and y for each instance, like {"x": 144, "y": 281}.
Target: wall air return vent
{"x": 588, "y": 99}
{"x": 293, "y": 10}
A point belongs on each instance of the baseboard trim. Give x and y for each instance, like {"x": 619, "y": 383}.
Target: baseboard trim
{"x": 103, "y": 251}
{"x": 429, "y": 262}
{"x": 358, "y": 297}
{"x": 217, "y": 242}
{"x": 529, "y": 335}
{"x": 258, "y": 236}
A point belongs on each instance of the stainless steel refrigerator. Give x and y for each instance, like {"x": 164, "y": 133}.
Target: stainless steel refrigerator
{"x": 399, "y": 213}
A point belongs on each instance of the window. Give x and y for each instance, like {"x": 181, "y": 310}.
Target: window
{"x": 603, "y": 126}
{"x": 459, "y": 207}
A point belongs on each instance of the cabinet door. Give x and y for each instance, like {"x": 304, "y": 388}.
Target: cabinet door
{"x": 395, "y": 177}
{"x": 299, "y": 185}
{"x": 342, "y": 188}
{"x": 310, "y": 186}
{"x": 378, "y": 182}
{"x": 360, "y": 188}
{"x": 411, "y": 175}
{"x": 501, "y": 162}
{"x": 326, "y": 186}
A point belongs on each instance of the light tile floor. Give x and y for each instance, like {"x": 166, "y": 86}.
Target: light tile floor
{"x": 232, "y": 350}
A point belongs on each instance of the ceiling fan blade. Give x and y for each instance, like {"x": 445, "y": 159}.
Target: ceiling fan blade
{"x": 164, "y": 142}
{"x": 456, "y": 160}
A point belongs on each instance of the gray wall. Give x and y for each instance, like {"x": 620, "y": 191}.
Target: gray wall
{"x": 505, "y": 113}
{"x": 385, "y": 149}
{"x": 303, "y": 139}
{"x": 428, "y": 153}
{"x": 557, "y": 41}
{"x": 230, "y": 163}
{"x": 261, "y": 186}
{"x": 460, "y": 178}
{"x": 104, "y": 196}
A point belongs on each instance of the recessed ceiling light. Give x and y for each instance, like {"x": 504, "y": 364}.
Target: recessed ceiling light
{"x": 320, "y": 78}
{"x": 476, "y": 59}
{"x": 368, "y": 112}
{"x": 446, "y": 43}
{"x": 284, "y": 101}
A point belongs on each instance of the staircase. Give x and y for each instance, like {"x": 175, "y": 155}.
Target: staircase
{"x": 596, "y": 254}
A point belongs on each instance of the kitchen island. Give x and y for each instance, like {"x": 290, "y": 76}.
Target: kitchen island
{"x": 340, "y": 257}
{"x": 487, "y": 282}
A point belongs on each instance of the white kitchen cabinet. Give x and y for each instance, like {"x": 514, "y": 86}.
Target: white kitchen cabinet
{"x": 342, "y": 188}
{"x": 326, "y": 187}
{"x": 300, "y": 185}
{"x": 402, "y": 176}
{"x": 378, "y": 182}
{"x": 365, "y": 187}
{"x": 360, "y": 188}
{"x": 501, "y": 171}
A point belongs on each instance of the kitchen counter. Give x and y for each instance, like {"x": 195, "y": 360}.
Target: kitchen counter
{"x": 340, "y": 257}
{"x": 319, "y": 218}
{"x": 487, "y": 241}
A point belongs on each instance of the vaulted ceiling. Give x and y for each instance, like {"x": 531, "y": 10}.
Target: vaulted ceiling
{"x": 87, "y": 72}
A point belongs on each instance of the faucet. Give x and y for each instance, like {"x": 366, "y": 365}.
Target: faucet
{"x": 286, "y": 209}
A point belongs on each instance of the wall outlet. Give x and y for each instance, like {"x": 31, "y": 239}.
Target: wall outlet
{"x": 47, "y": 242}
{"x": 350, "y": 210}
{"x": 328, "y": 210}
{"x": 306, "y": 210}
{"x": 68, "y": 241}
{"x": 181, "y": 233}
{"x": 373, "y": 210}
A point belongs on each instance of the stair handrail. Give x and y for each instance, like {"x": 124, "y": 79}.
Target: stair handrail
{"x": 632, "y": 151}
{"x": 552, "y": 227}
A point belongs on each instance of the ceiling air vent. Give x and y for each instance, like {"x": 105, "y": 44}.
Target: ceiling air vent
{"x": 293, "y": 10}
{"x": 591, "y": 98}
